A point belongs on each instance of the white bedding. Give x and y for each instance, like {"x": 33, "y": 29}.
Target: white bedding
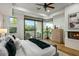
{"x": 28, "y": 48}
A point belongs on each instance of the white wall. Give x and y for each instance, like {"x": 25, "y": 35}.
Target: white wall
{"x": 61, "y": 20}
{"x": 19, "y": 25}
{"x": 6, "y": 11}
{"x": 1, "y": 21}
{"x": 71, "y": 42}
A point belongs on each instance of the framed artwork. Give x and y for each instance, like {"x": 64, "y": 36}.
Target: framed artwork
{"x": 73, "y": 21}
{"x": 12, "y": 30}
{"x": 13, "y": 24}
{"x": 13, "y": 20}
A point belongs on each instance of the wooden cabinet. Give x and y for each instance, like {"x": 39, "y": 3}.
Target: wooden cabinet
{"x": 57, "y": 35}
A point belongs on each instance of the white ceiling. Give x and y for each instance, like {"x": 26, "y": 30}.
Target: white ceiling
{"x": 31, "y": 8}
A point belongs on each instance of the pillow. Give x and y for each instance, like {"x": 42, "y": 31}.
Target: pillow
{"x": 11, "y": 48}
{"x": 17, "y": 43}
{"x": 14, "y": 36}
{"x": 10, "y": 36}
{"x": 2, "y": 38}
{"x": 5, "y": 39}
{"x": 3, "y": 51}
{"x": 3, "y": 42}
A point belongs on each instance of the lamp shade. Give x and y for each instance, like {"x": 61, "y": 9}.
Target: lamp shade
{"x": 3, "y": 30}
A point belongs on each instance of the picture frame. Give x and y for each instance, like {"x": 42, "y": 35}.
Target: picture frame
{"x": 13, "y": 30}
{"x": 73, "y": 21}
{"x": 13, "y": 24}
{"x": 13, "y": 20}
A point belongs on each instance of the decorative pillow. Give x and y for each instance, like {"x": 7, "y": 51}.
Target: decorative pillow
{"x": 3, "y": 51}
{"x": 14, "y": 36}
{"x": 11, "y": 48}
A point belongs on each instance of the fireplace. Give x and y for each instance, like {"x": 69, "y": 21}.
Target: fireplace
{"x": 73, "y": 35}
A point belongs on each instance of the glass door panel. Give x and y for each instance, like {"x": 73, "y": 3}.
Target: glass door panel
{"x": 38, "y": 29}
{"x": 29, "y": 29}
{"x": 47, "y": 30}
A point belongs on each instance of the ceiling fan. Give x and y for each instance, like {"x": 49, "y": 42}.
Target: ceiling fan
{"x": 46, "y": 5}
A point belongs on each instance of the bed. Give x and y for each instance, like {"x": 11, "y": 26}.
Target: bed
{"x": 28, "y": 48}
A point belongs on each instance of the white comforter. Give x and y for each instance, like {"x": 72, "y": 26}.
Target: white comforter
{"x": 28, "y": 48}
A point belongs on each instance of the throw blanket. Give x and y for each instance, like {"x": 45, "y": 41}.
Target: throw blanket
{"x": 39, "y": 43}
{"x": 11, "y": 48}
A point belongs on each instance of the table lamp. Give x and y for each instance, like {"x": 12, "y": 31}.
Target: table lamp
{"x": 3, "y": 32}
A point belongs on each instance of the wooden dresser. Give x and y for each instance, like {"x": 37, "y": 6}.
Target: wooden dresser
{"x": 57, "y": 35}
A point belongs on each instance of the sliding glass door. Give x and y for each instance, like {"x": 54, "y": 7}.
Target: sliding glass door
{"x": 38, "y": 29}
{"x": 32, "y": 29}
{"x": 47, "y": 30}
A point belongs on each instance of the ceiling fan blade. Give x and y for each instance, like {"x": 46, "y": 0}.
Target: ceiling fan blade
{"x": 40, "y": 4}
{"x": 51, "y": 7}
{"x": 50, "y": 3}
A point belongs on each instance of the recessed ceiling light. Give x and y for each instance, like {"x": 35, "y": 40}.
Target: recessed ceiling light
{"x": 42, "y": 14}
{"x": 48, "y": 10}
